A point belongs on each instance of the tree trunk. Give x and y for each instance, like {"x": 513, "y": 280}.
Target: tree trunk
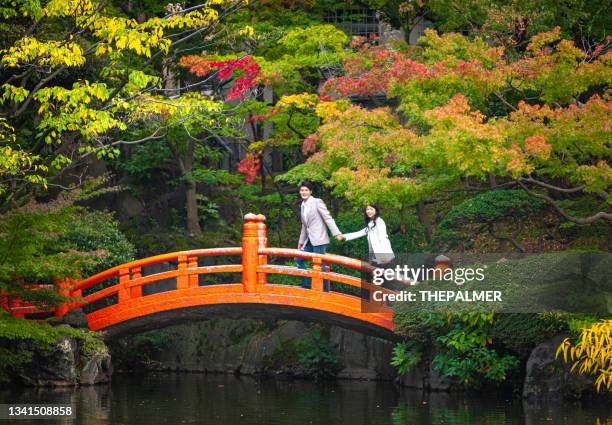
{"x": 424, "y": 219}
{"x": 191, "y": 194}
{"x": 184, "y": 160}
{"x": 492, "y": 181}
{"x": 262, "y": 173}
{"x": 193, "y": 220}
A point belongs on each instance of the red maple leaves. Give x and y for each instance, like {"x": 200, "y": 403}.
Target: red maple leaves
{"x": 249, "y": 166}
{"x": 244, "y": 70}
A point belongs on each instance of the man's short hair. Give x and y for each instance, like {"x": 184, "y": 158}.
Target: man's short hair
{"x": 307, "y": 184}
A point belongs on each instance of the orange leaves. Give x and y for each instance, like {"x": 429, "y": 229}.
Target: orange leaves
{"x": 536, "y": 146}
{"x": 565, "y": 141}
{"x": 540, "y": 40}
{"x": 365, "y": 152}
{"x": 516, "y": 162}
{"x": 249, "y": 166}
{"x": 458, "y": 105}
{"x": 197, "y": 65}
{"x": 476, "y": 147}
{"x": 309, "y": 146}
{"x": 464, "y": 97}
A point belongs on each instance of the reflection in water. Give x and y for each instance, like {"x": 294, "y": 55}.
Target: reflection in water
{"x": 218, "y": 399}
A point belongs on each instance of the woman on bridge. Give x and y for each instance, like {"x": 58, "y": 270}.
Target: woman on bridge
{"x": 379, "y": 246}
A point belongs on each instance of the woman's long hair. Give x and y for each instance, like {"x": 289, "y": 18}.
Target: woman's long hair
{"x": 373, "y": 219}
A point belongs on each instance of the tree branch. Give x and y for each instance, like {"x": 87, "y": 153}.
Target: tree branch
{"x": 601, "y": 215}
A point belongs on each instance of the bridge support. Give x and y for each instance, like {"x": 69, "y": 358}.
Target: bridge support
{"x": 63, "y": 288}
{"x": 253, "y": 236}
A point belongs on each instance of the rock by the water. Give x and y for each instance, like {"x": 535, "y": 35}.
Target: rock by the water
{"x": 64, "y": 364}
{"x": 548, "y": 378}
{"x": 424, "y": 376}
{"x": 97, "y": 368}
{"x": 56, "y": 367}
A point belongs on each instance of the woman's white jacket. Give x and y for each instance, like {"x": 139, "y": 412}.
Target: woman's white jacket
{"x": 377, "y": 238}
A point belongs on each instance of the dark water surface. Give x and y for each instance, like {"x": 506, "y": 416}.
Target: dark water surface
{"x": 218, "y": 399}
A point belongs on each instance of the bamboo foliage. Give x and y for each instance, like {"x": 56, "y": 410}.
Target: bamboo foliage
{"x": 592, "y": 354}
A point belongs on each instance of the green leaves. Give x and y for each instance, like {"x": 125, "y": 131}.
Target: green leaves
{"x": 490, "y": 207}
{"x": 316, "y": 353}
{"x": 315, "y": 46}
{"x": 405, "y": 357}
{"x": 465, "y": 353}
{"x": 41, "y": 243}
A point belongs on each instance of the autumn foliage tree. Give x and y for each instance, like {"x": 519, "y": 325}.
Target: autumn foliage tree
{"x": 466, "y": 110}
{"x": 290, "y": 71}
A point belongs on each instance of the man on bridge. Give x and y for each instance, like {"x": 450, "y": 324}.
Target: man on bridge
{"x": 313, "y": 236}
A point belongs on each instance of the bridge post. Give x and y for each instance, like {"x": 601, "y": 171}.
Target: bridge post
{"x": 136, "y": 291}
{"x": 317, "y": 281}
{"x": 182, "y": 280}
{"x": 192, "y": 265}
{"x": 262, "y": 239}
{"x": 250, "y": 250}
{"x": 63, "y": 288}
{"x": 124, "y": 293}
{"x": 15, "y": 305}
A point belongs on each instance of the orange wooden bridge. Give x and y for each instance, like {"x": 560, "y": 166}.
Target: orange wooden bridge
{"x": 122, "y": 307}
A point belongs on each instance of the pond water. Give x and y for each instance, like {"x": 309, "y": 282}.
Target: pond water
{"x": 220, "y": 399}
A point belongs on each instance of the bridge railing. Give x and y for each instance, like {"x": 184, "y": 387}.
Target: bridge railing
{"x": 130, "y": 279}
{"x": 256, "y": 267}
{"x": 126, "y": 281}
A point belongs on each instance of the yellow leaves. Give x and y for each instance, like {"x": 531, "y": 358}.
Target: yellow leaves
{"x": 141, "y": 38}
{"x": 188, "y": 106}
{"x": 453, "y": 47}
{"x": 14, "y": 94}
{"x": 247, "y": 31}
{"x": 64, "y": 8}
{"x": 7, "y": 133}
{"x": 112, "y": 32}
{"x": 53, "y": 53}
{"x": 332, "y": 109}
{"x": 14, "y": 161}
{"x": 194, "y": 19}
{"x": 121, "y": 42}
{"x": 304, "y": 100}
{"x": 463, "y": 140}
{"x": 538, "y": 41}
{"x": 566, "y": 51}
{"x": 102, "y": 49}
{"x": 73, "y": 109}
{"x": 598, "y": 177}
{"x": 592, "y": 355}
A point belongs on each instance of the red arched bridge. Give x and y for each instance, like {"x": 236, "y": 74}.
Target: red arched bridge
{"x": 125, "y": 304}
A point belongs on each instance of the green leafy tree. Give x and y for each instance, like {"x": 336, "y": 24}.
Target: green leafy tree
{"x": 75, "y": 75}
{"x": 491, "y": 211}
{"x": 43, "y": 243}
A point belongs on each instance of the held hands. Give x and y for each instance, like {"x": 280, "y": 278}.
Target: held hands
{"x": 339, "y": 237}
